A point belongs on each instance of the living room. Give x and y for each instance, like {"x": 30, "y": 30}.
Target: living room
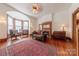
{"x": 33, "y": 19}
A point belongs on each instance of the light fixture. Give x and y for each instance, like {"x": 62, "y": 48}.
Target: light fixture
{"x": 2, "y": 19}
{"x": 63, "y": 27}
{"x": 35, "y": 8}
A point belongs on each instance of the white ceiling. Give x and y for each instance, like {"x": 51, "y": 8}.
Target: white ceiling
{"x": 15, "y": 14}
{"x": 46, "y": 8}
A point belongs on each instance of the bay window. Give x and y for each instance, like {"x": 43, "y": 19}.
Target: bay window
{"x": 18, "y": 25}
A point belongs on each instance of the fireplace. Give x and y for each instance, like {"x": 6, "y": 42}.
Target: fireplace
{"x": 47, "y": 27}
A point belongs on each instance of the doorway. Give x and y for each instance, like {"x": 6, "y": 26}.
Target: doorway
{"x": 76, "y": 29}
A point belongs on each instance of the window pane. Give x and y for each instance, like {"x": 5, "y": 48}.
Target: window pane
{"x": 18, "y": 25}
{"x": 10, "y": 24}
{"x": 25, "y": 26}
{"x": 10, "y": 21}
{"x": 25, "y": 23}
{"x": 18, "y": 28}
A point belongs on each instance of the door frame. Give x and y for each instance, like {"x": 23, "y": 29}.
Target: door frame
{"x": 74, "y": 23}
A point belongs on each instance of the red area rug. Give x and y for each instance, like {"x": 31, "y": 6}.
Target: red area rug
{"x": 29, "y": 48}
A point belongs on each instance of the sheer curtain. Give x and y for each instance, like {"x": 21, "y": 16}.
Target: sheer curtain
{"x": 10, "y": 24}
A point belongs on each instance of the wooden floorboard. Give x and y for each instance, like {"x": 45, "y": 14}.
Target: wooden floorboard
{"x": 65, "y": 48}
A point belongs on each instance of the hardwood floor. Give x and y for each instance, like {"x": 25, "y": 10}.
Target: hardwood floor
{"x": 64, "y": 48}
{"x": 3, "y": 44}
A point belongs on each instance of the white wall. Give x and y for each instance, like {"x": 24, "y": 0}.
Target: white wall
{"x": 3, "y": 20}
{"x": 44, "y": 18}
{"x": 33, "y": 24}
{"x": 61, "y": 18}
{"x": 3, "y": 29}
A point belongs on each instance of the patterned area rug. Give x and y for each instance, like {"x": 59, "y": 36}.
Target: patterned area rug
{"x": 29, "y": 48}
{"x": 3, "y": 52}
